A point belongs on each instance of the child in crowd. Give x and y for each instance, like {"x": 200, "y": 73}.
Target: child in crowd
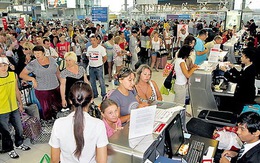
{"x": 110, "y": 112}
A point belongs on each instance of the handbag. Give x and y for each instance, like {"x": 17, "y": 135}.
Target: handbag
{"x": 61, "y": 63}
{"x": 163, "y": 51}
{"x": 167, "y": 69}
{"x": 168, "y": 81}
{"x": 137, "y": 49}
{"x": 148, "y": 45}
{"x": 45, "y": 159}
{"x": 94, "y": 111}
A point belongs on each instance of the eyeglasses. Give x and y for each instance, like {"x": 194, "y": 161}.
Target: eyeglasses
{"x": 26, "y": 49}
{"x": 123, "y": 71}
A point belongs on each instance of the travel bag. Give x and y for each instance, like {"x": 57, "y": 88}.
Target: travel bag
{"x": 63, "y": 113}
{"x": 30, "y": 102}
{"x": 163, "y": 61}
{"x": 46, "y": 128}
{"x": 3, "y": 141}
{"x": 199, "y": 127}
{"x": 31, "y": 126}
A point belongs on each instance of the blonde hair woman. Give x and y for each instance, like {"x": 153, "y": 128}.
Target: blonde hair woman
{"x": 71, "y": 74}
{"x": 118, "y": 57}
{"x": 147, "y": 90}
{"x": 28, "y": 56}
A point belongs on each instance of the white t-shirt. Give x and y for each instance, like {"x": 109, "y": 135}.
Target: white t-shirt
{"x": 183, "y": 36}
{"x": 180, "y": 77}
{"x": 62, "y": 137}
{"x": 191, "y": 24}
{"x": 78, "y": 48}
{"x": 96, "y": 55}
{"x": 156, "y": 45}
{"x": 51, "y": 52}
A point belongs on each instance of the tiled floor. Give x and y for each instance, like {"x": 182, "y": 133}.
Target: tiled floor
{"x": 38, "y": 150}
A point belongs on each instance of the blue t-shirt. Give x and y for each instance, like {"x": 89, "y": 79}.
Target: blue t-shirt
{"x": 199, "y": 47}
{"x": 127, "y": 35}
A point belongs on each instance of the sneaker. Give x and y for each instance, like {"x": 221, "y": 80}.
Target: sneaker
{"x": 23, "y": 147}
{"x": 13, "y": 154}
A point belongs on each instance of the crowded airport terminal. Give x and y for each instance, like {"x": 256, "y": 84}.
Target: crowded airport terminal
{"x": 130, "y": 81}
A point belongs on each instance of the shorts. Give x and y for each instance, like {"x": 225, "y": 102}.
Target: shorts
{"x": 109, "y": 57}
{"x": 157, "y": 54}
{"x": 118, "y": 61}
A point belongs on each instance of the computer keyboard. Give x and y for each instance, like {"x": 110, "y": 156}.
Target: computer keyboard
{"x": 195, "y": 152}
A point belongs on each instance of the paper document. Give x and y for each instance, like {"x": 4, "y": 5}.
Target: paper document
{"x": 216, "y": 46}
{"x": 213, "y": 55}
{"x": 141, "y": 121}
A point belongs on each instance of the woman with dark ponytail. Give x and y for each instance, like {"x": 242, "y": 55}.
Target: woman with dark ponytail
{"x": 79, "y": 137}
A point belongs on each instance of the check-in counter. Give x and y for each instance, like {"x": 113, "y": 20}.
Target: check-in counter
{"x": 229, "y": 46}
{"x": 200, "y": 89}
{"x": 202, "y": 93}
{"x": 136, "y": 150}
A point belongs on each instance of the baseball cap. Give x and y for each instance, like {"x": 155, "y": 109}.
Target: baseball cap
{"x": 4, "y": 60}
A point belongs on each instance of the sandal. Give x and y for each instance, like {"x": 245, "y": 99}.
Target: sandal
{"x": 23, "y": 147}
{"x": 13, "y": 154}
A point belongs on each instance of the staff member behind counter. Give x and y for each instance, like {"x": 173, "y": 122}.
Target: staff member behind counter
{"x": 245, "y": 79}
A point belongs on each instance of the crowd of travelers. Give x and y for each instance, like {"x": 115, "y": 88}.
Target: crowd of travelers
{"x": 63, "y": 62}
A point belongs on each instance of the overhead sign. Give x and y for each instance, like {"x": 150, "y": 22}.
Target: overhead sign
{"x": 179, "y": 17}
{"x": 144, "y": 2}
{"x": 155, "y": 17}
{"x": 57, "y": 3}
{"x": 99, "y": 14}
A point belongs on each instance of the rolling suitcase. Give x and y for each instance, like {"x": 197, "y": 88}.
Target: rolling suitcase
{"x": 163, "y": 61}
{"x": 30, "y": 105}
{"x": 4, "y": 142}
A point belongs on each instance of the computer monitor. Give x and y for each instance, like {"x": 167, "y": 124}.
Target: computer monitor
{"x": 155, "y": 150}
{"x": 174, "y": 136}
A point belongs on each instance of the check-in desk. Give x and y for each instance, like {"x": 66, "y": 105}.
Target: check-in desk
{"x": 229, "y": 46}
{"x": 200, "y": 89}
{"x": 137, "y": 150}
{"x": 202, "y": 94}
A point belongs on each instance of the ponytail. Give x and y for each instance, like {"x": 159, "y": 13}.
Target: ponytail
{"x": 80, "y": 96}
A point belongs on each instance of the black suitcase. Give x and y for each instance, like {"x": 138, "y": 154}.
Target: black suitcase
{"x": 221, "y": 118}
{"x": 4, "y": 143}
